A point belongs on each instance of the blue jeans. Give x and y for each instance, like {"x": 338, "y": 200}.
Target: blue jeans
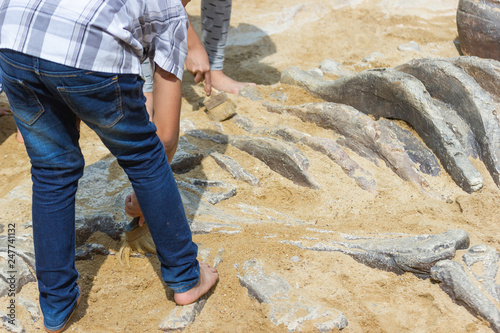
{"x": 45, "y": 98}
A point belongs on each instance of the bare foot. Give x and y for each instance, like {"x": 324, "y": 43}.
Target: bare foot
{"x": 208, "y": 277}
{"x": 222, "y": 82}
{"x": 19, "y": 136}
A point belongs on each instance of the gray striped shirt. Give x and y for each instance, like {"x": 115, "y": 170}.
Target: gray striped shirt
{"x": 112, "y": 36}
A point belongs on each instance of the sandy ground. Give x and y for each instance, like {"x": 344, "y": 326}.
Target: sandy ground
{"x": 267, "y": 37}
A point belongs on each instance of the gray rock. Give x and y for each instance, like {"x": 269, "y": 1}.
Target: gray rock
{"x": 373, "y": 56}
{"x": 182, "y": 316}
{"x": 243, "y": 122}
{"x": 279, "y": 96}
{"x": 234, "y": 168}
{"x": 483, "y": 262}
{"x": 11, "y": 324}
{"x": 396, "y": 95}
{"x": 251, "y": 92}
{"x": 363, "y": 132}
{"x": 186, "y": 157}
{"x": 455, "y": 282}
{"x": 415, "y": 149}
{"x": 331, "y": 67}
{"x": 287, "y": 308}
{"x": 215, "y": 137}
{"x": 478, "y": 29}
{"x": 104, "y": 222}
{"x": 186, "y": 125}
{"x": 410, "y": 46}
{"x": 410, "y": 254}
{"x": 338, "y": 323}
{"x": 452, "y": 85}
{"x": 331, "y": 149}
{"x": 265, "y": 288}
{"x": 88, "y": 251}
{"x": 31, "y": 307}
{"x": 486, "y": 72}
{"x": 281, "y": 157}
{"x": 99, "y": 194}
{"x": 17, "y": 263}
{"x": 200, "y": 186}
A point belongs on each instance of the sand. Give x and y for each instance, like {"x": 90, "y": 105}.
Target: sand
{"x": 267, "y": 37}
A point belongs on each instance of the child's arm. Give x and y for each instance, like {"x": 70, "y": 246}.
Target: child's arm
{"x": 197, "y": 60}
{"x": 167, "y": 107}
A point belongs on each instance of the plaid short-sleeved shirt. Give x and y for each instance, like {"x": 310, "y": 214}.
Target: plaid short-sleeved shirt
{"x": 112, "y": 36}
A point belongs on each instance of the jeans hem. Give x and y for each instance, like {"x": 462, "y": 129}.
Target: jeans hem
{"x": 186, "y": 287}
{"x": 65, "y": 321}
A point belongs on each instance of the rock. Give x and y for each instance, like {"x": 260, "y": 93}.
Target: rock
{"x": 265, "y": 288}
{"x": 395, "y": 95}
{"x": 334, "y": 151}
{"x": 186, "y": 158}
{"x": 19, "y": 262}
{"x": 452, "y": 85}
{"x": 415, "y": 149}
{"x": 105, "y": 223}
{"x": 200, "y": 185}
{"x": 279, "y": 96}
{"x": 251, "y": 92}
{"x": 100, "y": 197}
{"x": 331, "y": 67}
{"x": 455, "y": 282}
{"x": 186, "y": 125}
{"x": 363, "y": 133}
{"x": 287, "y": 308}
{"x": 243, "y": 122}
{"x": 486, "y": 72}
{"x": 11, "y": 325}
{"x": 410, "y": 46}
{"x": 478, "y": 28}
{"x": 87, "y": 251}
{"x": 31, "y": 307}
{"x": 373, "y": 56}
{"x": 182, "y": 316}
{"x": 411, "y": 254}
{"x": 234, "y": 168}
{"x": 214, "y": 137}
{"x": 281, "y": 157}
{"x": 484, "y": 264}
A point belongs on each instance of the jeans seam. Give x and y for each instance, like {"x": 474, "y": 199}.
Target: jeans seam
{"x": 29, "y": 69}
{"x": 119, "y": 98}
{"x": 7, "y": 60}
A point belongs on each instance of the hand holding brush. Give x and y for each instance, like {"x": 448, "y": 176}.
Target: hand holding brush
{"x": 136, "y": 236}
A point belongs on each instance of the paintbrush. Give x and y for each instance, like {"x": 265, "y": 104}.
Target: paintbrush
{"x": 135, "y": 239}
{"x": 219, "y": 106}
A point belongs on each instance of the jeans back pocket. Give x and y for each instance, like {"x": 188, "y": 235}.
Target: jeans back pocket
{"x": 23, "y": 101}
{"x": 97, "y": 103}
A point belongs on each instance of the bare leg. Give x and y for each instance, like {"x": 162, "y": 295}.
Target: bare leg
{"x": 19, "y": 136}
{"x": 208, "y": 278}
{"x": 149, "y": 104}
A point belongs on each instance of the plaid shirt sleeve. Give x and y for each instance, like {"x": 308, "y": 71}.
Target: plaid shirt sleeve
{"x": 101, "y": 35}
